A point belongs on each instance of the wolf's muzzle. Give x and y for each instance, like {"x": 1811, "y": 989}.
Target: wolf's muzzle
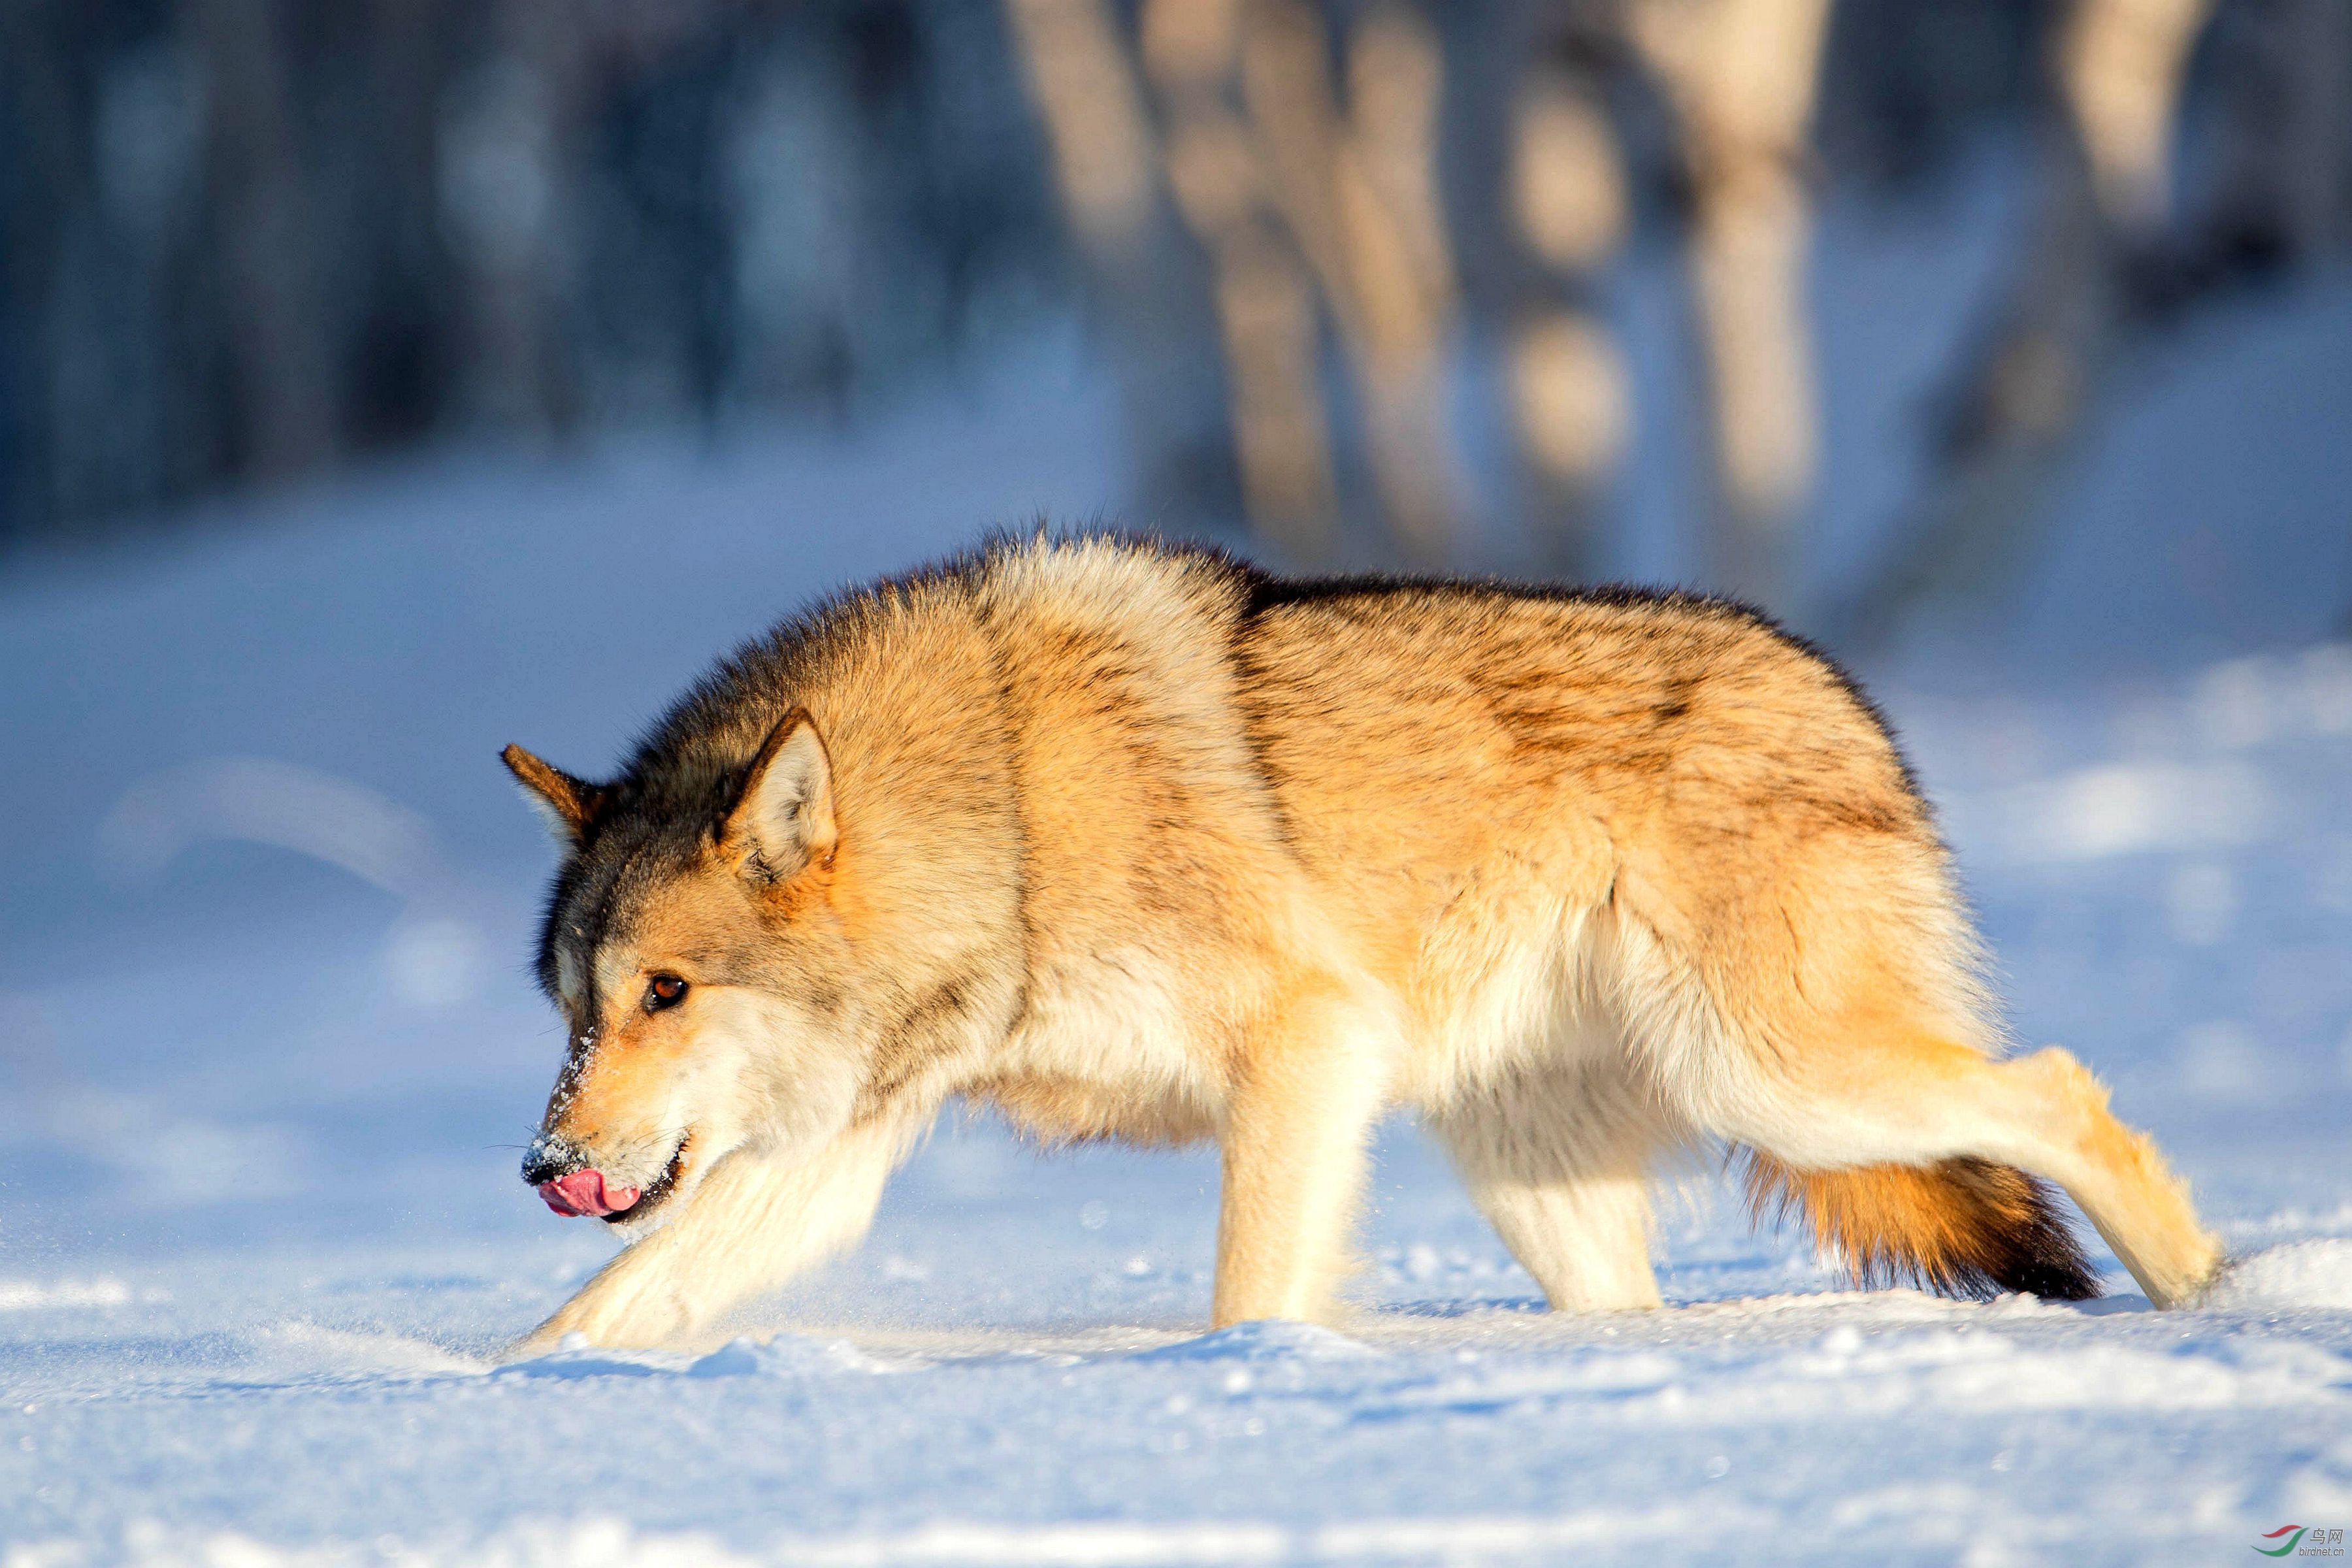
{"x": 585, "y": 1193}
{"x": 566, "y": 1177}
{"x": 551, "y": 1158}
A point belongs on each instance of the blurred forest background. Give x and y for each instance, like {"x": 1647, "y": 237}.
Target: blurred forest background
{"x": 1379, "y": 283}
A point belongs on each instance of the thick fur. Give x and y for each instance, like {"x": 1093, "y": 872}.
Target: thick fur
{"x": 1963, "y": 1226}
{"x": 1135, "y": 842}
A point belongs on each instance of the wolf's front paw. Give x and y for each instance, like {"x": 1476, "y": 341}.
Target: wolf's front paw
{"x": 607, "y": 1320}
{"x": 544, "y": 1340}
{"x": 540, "y": 1343}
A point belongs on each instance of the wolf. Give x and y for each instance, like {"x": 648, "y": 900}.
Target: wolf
{"x": 1134, "y": 841}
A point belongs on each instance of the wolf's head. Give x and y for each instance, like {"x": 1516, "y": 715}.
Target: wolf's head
{"x": 697, "y": 947}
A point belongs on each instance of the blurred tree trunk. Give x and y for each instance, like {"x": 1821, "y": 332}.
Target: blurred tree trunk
{"x": 2120, "y": 65}
{"x": 1294, "y": 194}
{"x": 506, "y": 160}
{"x": 1265, "y": 303}
{"x": 283, "y": 354}
{"x": 35, "y": 414}
{"x": 2293, "y": 135}
{"x": 405, "y": 337}
{"x": 1741, "y": 74}
{"x": 1402, "y": 271}
{"x": 1568, "y": 214}
{"x": 2285, "y": 189}
{"x": 1107, "y": 165}
{"x": 2022, "y": 396}
{"x": 2315, "y": 45}
{"x": 1356, "y": 187}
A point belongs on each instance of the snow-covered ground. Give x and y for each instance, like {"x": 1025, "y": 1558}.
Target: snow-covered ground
{"x": 267, "y": 1052}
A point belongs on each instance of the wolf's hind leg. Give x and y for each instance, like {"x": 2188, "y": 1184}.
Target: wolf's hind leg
{"x": 1918, "y": 1100}
{"x": 748, "y": 1228}
{"x": 1828, "y": 1016}
{"x": 1559, "y": 1163}
{"x": 1298, "y": 1122}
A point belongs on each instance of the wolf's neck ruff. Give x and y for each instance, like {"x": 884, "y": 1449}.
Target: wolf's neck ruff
{"x": 1135, "y": 842}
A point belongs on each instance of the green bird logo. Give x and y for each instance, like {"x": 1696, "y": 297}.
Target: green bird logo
{"x": 2293, "y": 1532}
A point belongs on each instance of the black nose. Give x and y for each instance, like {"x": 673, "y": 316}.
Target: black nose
{"x": 551, "y": 1159}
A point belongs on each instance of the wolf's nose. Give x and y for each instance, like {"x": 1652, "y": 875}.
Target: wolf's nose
{"x": 551, "y": 1157}
{"x": 538, "y": 1170}
{"x": 584, "y": 1193}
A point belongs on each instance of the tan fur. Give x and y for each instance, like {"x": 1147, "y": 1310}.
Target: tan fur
{"x": 1133, "y": 843}
{"x": 1965, "y": 1226}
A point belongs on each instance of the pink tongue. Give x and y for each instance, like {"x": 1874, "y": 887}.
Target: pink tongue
{"x": 584, "y": 1193}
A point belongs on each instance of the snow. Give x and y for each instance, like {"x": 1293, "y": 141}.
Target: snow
{"x": 18, "y": 1294}
{"x": 2301, "y": 1274}
{"x": 269, "y": 1050}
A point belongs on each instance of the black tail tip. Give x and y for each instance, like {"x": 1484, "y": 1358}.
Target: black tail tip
{"x": 2022, "y": 1243}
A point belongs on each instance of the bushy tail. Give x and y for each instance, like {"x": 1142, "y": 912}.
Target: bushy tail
{"x": 1963, "y": 1226}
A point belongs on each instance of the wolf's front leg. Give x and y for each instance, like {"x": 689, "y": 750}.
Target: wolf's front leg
{"x": 750, "y": 1227}
{"x": 1313, "y": 1082}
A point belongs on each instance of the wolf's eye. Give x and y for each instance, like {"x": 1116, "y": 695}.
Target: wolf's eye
{"x": 664, "y": 991}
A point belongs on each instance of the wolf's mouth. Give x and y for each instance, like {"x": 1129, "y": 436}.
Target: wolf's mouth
{"x": 653, "y": 1196}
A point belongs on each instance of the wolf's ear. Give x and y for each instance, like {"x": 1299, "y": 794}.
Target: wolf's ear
{"x": 784, "y": 819}
{"x": 569, "y": 804}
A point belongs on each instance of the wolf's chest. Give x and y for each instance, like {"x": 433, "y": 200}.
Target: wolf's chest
{"x": 1112, "y": 1048}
